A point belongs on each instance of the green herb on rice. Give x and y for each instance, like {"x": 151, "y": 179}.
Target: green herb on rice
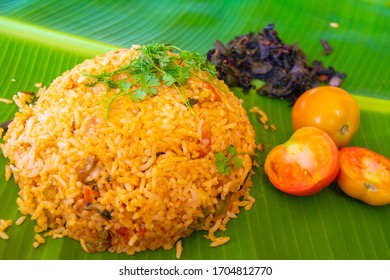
{"x": 157, "y": 64}
{"x": 223, "y": 162}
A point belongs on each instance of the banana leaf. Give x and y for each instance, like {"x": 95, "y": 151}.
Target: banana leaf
{"x": 39, "y": 40}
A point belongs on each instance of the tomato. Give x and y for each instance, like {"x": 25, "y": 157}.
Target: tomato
{"x": 364, "y": 175}
{"x": 329, "y": 108}
{"x": 305, "y": 164}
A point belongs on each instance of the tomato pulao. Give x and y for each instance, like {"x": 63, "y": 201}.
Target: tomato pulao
{"x": 128, "y": 164}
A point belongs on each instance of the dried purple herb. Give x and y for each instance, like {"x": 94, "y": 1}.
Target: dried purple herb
{"x": 327, "y": 48}
{"x": 263, "y": 56}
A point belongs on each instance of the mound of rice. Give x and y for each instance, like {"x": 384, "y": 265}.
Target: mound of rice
{"x": 142, "y": 178}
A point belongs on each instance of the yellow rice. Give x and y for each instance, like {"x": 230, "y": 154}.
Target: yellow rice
{"x": 38, "y": 240}
{"x": 5, "y": 100}
{"x": 20, "y": 220}
{"x": 22, "y": 98}
{"x": 153, "y": 167}
{"x": 179, "y": 249}
{"x": 3, "y": 235}
{"x": 4, "y": 224}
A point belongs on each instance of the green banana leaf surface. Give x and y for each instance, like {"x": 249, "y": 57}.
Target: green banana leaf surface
{"x": 39, "y": 40}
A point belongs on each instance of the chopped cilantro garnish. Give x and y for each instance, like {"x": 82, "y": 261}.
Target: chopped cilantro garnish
{"x": 223, "y": 162}
{"x": 157, "y": 64}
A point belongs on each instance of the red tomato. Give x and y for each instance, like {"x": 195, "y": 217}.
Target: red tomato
{"x": 365, "y": 175}
{"x": 305, "y": 164}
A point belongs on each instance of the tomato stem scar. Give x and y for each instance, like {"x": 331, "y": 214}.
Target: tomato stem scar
{"x": 370, "y": 186}
{"x": 344, "y": 129}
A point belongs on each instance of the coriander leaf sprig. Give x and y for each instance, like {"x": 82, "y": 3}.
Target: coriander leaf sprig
{"x": 222, "y": 162}
{"x": 156, "y": 64}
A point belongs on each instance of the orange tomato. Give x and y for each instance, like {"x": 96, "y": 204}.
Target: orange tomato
{"x": 329, "y": 108}
{"x": 365, "y": 175}
{"x": 305, "y": 164}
